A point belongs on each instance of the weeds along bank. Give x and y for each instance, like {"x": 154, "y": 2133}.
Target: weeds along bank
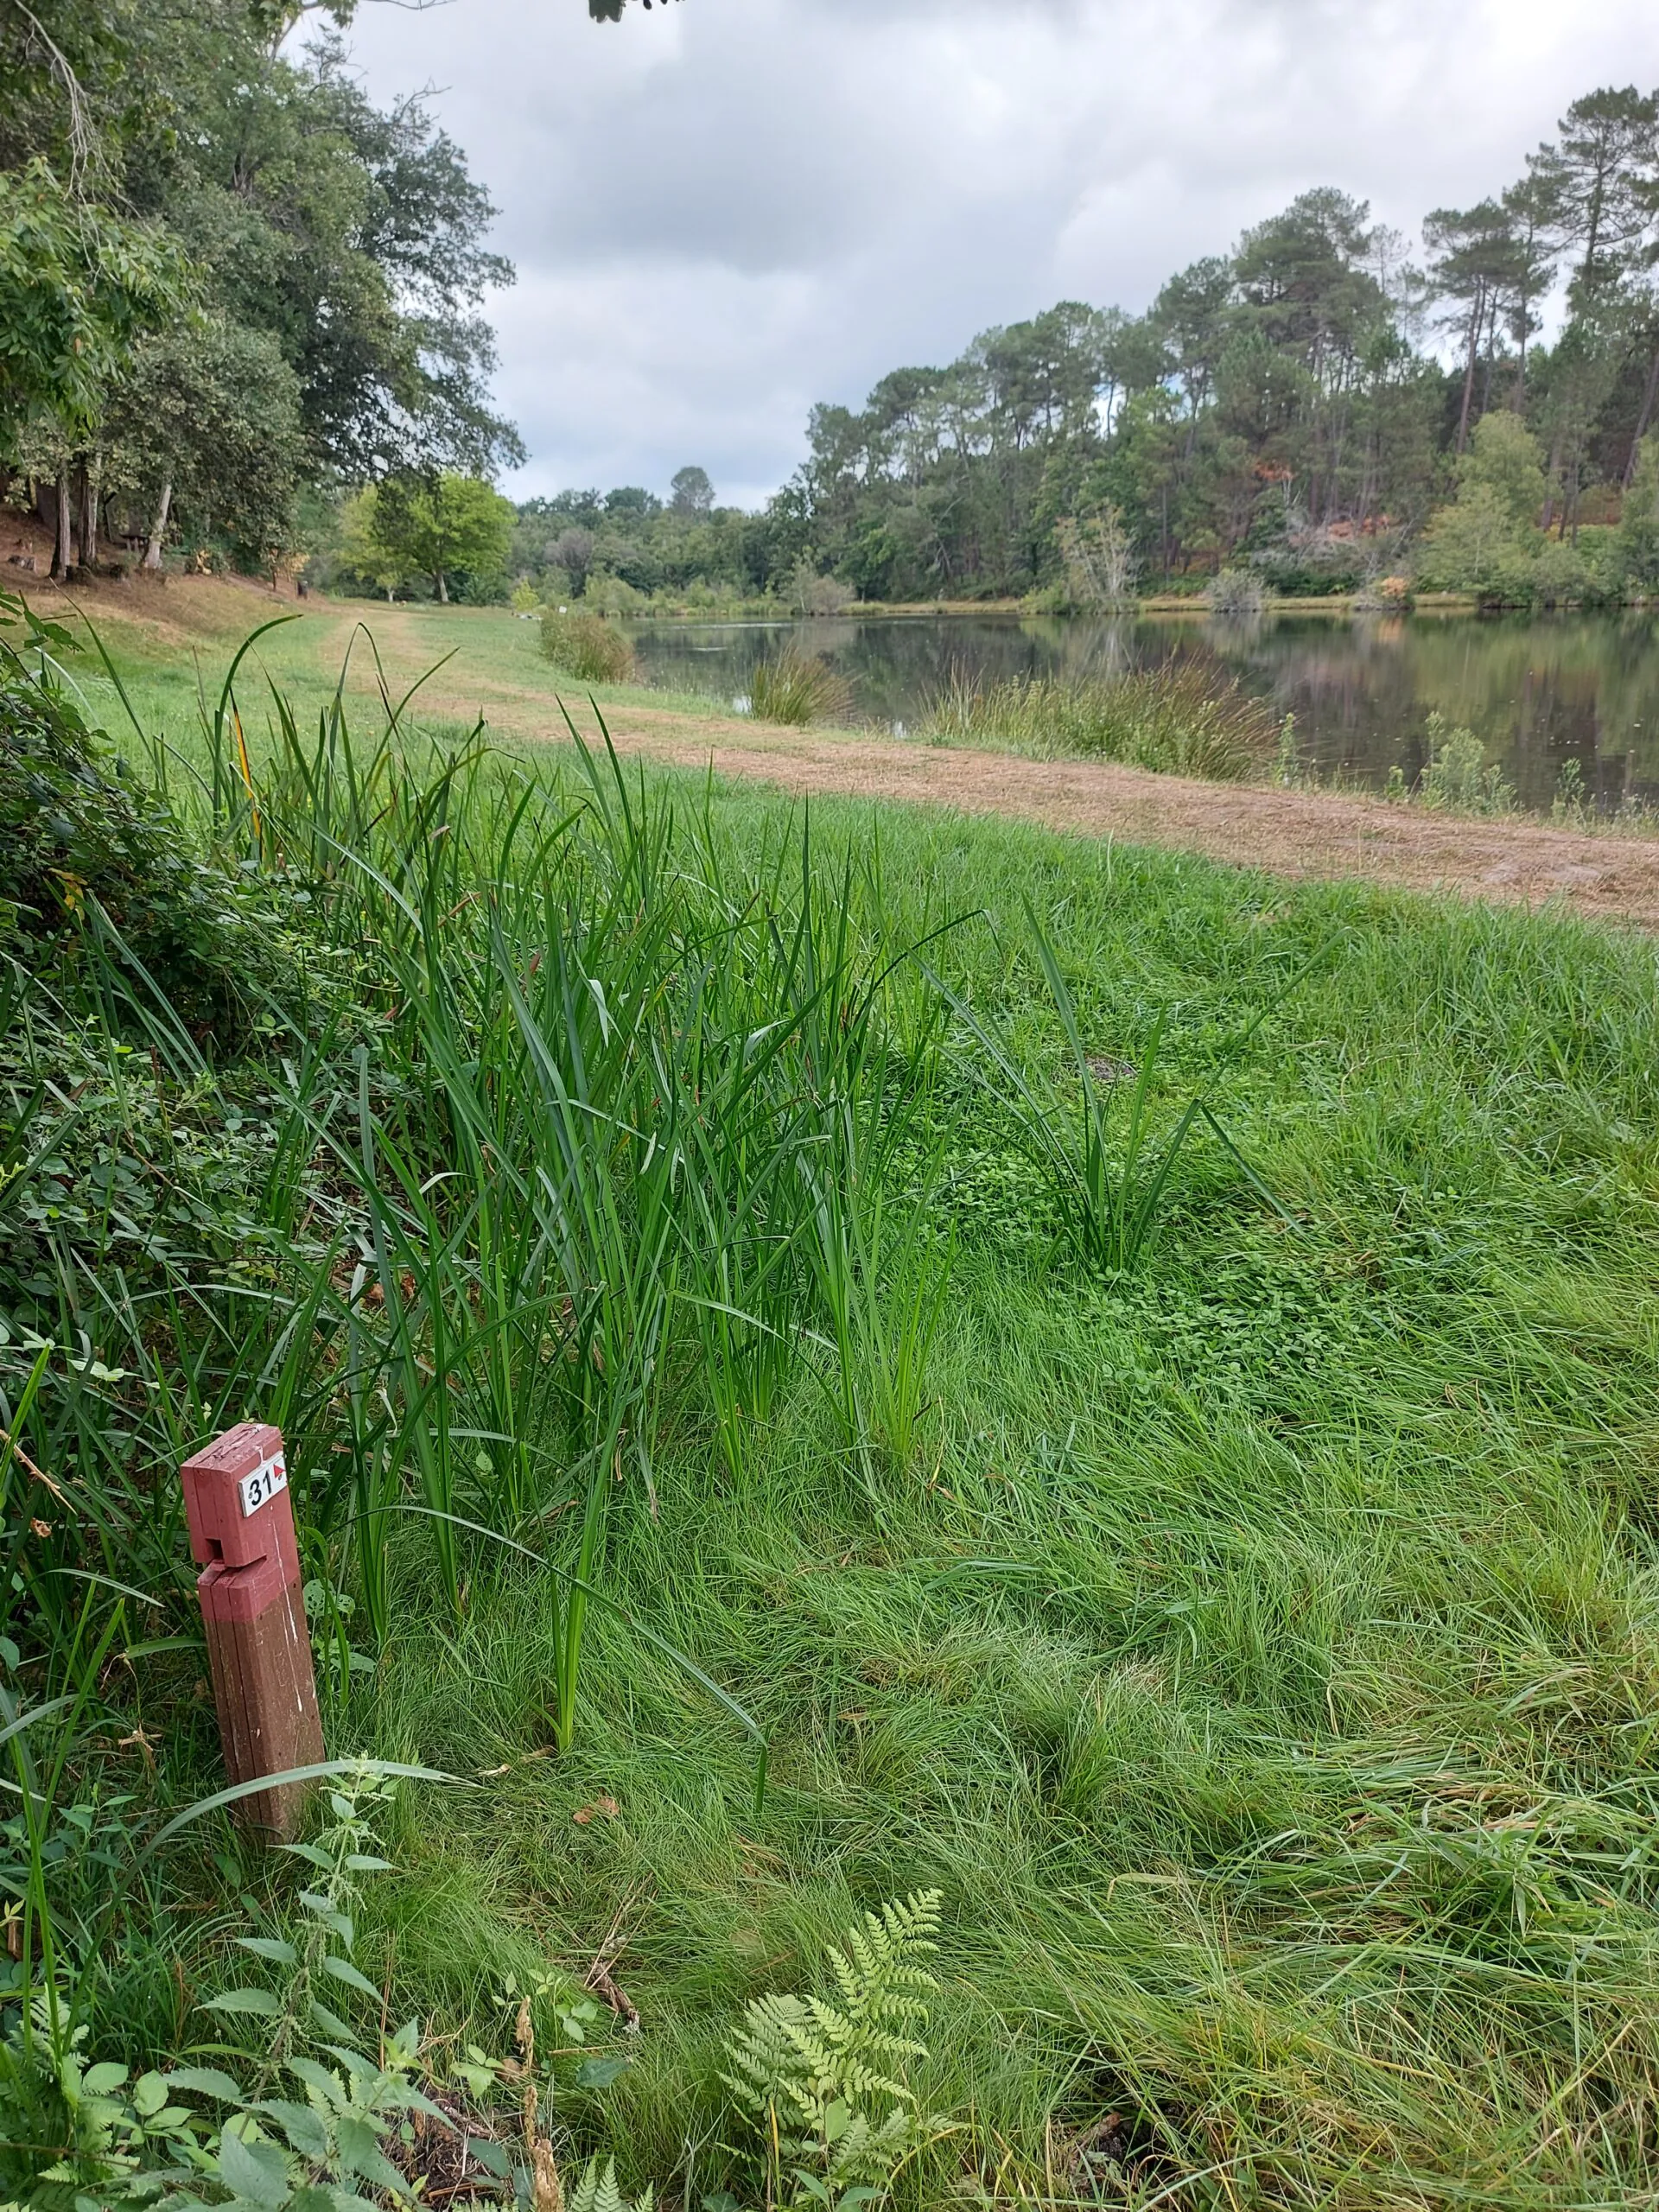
{"x": 1134, "y": 1383}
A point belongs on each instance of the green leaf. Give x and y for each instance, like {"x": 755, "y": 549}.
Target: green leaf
{"x": 343, "y": 1970}
{"x": 490, "y": 2156}
{"x": 258, "y": 2001}
{"x": 358, "y": 2067}
{"x": 101, "y": 2080}
{"x": 207, "y": 2082}
{"x": 271, "y": 1948}
{"x": 304, "y": 2126}
{"x": 310, "y": 1853}
{"x": 360, "y": 2153}
{"x": 320, "y": 2079}
{"x": 149, "y": 2095}
{"x": 330, "y": 2023}
{"x": 336, "y": 1922}
{"x": 254, "y": 2171}
{"x": 599, "y": 2072}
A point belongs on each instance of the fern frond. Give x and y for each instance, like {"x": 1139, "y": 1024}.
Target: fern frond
{"x": 598, "y": 2192}
{"x": 806, "y": 2068}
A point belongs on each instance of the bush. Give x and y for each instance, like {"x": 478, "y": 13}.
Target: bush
{"x": 797, "y": 688}
{"x": 811, "y": 594}
{"x": 1290, "y": 578}
{"x": 1236, "y": 593}
{"x": 82, "y": 849}
{"x": 1488, "y": 540}
{"x": 608, "y": 594}
{"x": 1456, "y": 779}
{"x": 585, "y": 644}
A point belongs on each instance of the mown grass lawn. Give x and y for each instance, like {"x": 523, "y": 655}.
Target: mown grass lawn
{"x": 1256, "y": 1646}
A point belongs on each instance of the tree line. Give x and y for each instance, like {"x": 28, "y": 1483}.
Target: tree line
{"x": 1283, "y": 405}
{"x": 241, "y": 316}
{"x": 1286, "y": 407}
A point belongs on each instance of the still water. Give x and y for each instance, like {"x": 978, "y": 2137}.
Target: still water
{"x": 1541, "y": 693}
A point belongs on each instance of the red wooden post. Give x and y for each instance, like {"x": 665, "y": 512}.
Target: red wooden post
{"x": 259, "y": 1652}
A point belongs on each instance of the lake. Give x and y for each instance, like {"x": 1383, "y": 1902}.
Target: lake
{"x": 1540, "y": 693}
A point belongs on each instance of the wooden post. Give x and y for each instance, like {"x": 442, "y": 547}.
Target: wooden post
{"x": 258, "y": 1650}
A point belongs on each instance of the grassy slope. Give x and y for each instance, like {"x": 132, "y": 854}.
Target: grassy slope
{"x": 1262, "y": 1661}
{"x": 495, "y": 655}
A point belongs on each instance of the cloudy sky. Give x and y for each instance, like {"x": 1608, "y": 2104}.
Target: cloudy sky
{"x": 727, "y": 209}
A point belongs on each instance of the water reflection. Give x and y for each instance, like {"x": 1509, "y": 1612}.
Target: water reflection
{"x": 1540, "y": 694}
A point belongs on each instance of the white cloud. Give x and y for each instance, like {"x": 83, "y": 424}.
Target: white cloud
{"x": 727, "y": 209}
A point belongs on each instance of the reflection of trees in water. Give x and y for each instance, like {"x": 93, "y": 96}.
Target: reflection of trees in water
{"x": 1539, "y": 694}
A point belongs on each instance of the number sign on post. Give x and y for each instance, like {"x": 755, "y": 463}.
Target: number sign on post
{"x": 241, "y": 1521}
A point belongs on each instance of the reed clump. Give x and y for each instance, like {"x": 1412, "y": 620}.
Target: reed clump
{"x": 586, "y": 645}
{"x": 796, "y": 688}
{"x": 1181, "y": 719}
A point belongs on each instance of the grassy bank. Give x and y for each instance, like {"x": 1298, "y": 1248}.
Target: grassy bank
{"x": 478, "y": 656}
{"x": 1214, "y": 1551}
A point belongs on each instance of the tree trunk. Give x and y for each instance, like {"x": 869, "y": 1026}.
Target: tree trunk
{"x": 1641, "y": 422}
{"x": 158, "y": 528}
{"x": 1492, "y": 356}
{"x": 1469, "y": 373}
{"x": 89, "y": 515}
{"x": 444, "y": 590}
{"x": 1548, "y": 515}
{"x": 63, "y": 544}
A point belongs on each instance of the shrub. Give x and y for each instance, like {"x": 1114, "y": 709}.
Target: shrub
{"x": 585, "y": 644}
{"x": 84, "y": 849}
{"x": 1290, "y": 578}
{"x": 798, "y": 688}
{"x": 608, "y": 594}
{"x": 811, "y": 594}
{"x": 1456, "y": 779}
{"x": 1181, "y": 719}
{"x": 1487, "y": 541}
{"x": 1099, "y": 563}
{"x": 1236, "y": 595}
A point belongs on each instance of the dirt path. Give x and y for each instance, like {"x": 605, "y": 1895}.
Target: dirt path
{"x": 1299, "y": 835}
{"x": 1296, "y": 833}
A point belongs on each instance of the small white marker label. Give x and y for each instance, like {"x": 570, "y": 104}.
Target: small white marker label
{"x": 262, "y": 1485}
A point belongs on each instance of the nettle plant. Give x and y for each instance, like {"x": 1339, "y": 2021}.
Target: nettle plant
{"x": 824, "y": 2078}
{"x": 323, "y": 2149}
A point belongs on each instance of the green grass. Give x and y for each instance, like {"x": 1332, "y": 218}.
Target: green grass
{"x": 491, "y": 653}
{"x": 1257, "y": 1646}
{"x": 1262, "y": 1661}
